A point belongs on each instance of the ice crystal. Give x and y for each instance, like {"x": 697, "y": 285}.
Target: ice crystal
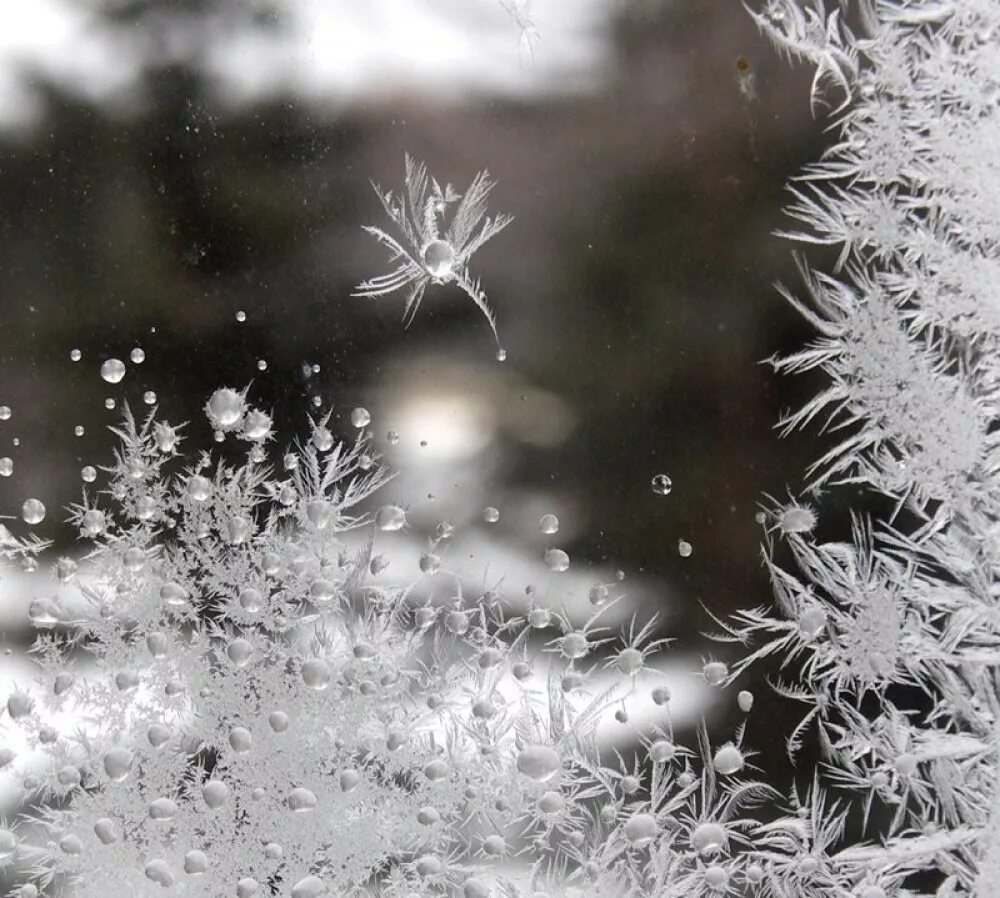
{"x": 425, "y": 253}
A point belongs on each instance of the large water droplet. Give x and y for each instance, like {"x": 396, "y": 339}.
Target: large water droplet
{"x": 195, "y": 862}
{"x": 708, "y": 837}
{"x": 117, "y": 763}
{"x": 556, "y": 560}
{"x": 309, "y": 887}
{"x": 225, "y": 409}
{"x": 215, "y": 794}
{"x": 6, "y": 466}
{"x": 113, "y": 370}
{"x": 302, "y": 800}
{"x": 641, "y": 829}
{"x": 33, "y": 511}
{"x": 316, "y": 673}
{"x": 361, "y": 417}
{"x": 728, "y": 760}
{"x": 538, "y": 762}
{"x": 439, "y": 258}
{"x": 163, "y": 809}
{"x": 662, "y": 485}
{"x": 548, "y": 523}
{"x": 390, "y": 518}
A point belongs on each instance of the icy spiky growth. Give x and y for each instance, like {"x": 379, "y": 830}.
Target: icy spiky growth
{"x": 426, "y": 254}
{"x": 253, "y": 716}
{"x": 894, "y": 636}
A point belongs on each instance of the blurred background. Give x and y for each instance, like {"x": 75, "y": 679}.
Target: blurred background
{"x": 169, "y": 167}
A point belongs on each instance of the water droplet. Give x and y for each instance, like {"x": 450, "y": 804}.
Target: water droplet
{"x": 662, "y": 485}
{"x": 195, "y": 862}
{"x": 745, "y": 701}
{"x": 436, "y": 770}
{"x": 159, "y": 871}
{"x": 241, "y": 316}
{"x": 79, "y": 430}
{"x": 797, "y": 519}
{"x": 708, "y": 838}
{"x": 113, "y": 370}
{"x": 641, "y": 829}
{"x": 105, "y": 831}
{"x": 349, "y": 780}
{"x": 574, "y": 645}
{"x": 390, "y": 518}
{"x": 199, "y": 487}
{"x": 247, "y": 887}
{"x": 75, "y": 355}
{"x": 225, "y": 409}
{"x": 548, "y": 523}
{"x": 491, "y": 515}
{"x": 316, "y": 673}
{"x": 93, "y": 522}
{"x": 109, "y": 403}
{"x": 240, "y": 740}
{"x": 728, "y": 760}
{"x": 538, "y": 762}
{"x": 684, "y": 548}
{"x": 88, "y": 473}
{"x": 430, "y": 563}
{"x": 556, "y": 560}
{"x": 439, "y": 258}
{"x": 715, "y": 673}
{"x": 278, "y": 721}
{"x": 662, "y": 751}
{"x": 501, "y": 354}
{"x": 158, "y": 735}
{"x": 44, "y": 611}
{"x": 137, "y": 355}
{"x": 33, "y": 511}
{"x": 163, "y": 809}
{"x": 812, "y": 621}
{"x": 118, "y": 763}
{"x": 309, "y": 887}
{"x": 4, "y": 412}
{"x": 361, "y": 417}
{"x": 716, "y": 877}
{"x": 215, "y": 794}
{"x": 629, "y": 661}
{"x": 149, "y": 397}
{"x": 6, "y": 466}
{"x": 301, "y": 800}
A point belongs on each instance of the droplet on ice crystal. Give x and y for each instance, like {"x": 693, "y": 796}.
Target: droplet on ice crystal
{"x": 439, "y": 258}
{"x": 662, "y": 485}
{"x": 715, "y": 673}
{"x": 225, "y": 409}
{"x": 538, "y": 762}
{"x": 728, "y": 760}
{"x": 113, "y": 370}
{"x": 390, "y": 518}
{"x": 33, "y": 511}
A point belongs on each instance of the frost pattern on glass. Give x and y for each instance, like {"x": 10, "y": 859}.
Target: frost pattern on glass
{"x": 427, "y": 254}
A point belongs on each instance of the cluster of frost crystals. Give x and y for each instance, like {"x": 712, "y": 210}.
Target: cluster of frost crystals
{"x": 891, "y": 639}
{"x": 252, "y": 712}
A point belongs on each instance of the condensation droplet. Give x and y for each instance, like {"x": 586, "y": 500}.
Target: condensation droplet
{"x": 137, "y": 356}
{"x": 75, "y": 355}
{"x": 149, "y": 397}
{"x": 556, "y": 560}
{"x": 491, "y": 515}
{"x": 6, "y": 466}
{"x": 548, "y": 523}
{"x": 361, "y": 417}
{"x": 88, "y": 474}
{"x": 662, "y": 485}
{"x": 79, "y": 430}
{"x": 745, "y": 701}
{"x": 33, "y": 511}
{"x": 538, "y": 762}
{"x": 241, "y": 316}
{"x": 113, "y": 370}
{"x": 390, "y": 518}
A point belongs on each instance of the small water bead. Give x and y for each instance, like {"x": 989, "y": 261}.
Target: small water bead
{"x": 662, "y": 485}
{"x": 94, "y": 522}
{"x": 716, "y": 877}
{"x": 349, "y": 780}
{"x": 279, "y": 721}
{"x": 709, "y": 838}
{"x": 240, "y": 740}
{"x": 4, "y": 412}
{"x": 44, "y": 611}
{"x": 215, "y": 793}
{"x": 199, "y": 487}
{"x": 684, "y": 548}
{"x": 715, "y": 673}
{"x": 316, "y": 674}
{"x": 109, "y": 403}
{"x": 538, "y": 763}
{"x": 105, "y": 831}
{"x": 556, "y": 560}
{"x": 247, "y": 887}
{"x": 118, "y": 763}
{"x": 475, "y": 888}
{"x": 239, "y": 651}
{"x": 728, "y": 760}
{"x": 641, "y": 829}
{"x": 430, "y": 563}
{"x": 273, "y": 851}
{"x": 548, "y": 523}
{"x": 75, "y": 355}
{"x": 225, "y": 409}
{"x": 745, "y": 701}
{"x": 812, "y": 622}
{"x": 113, "y": 370}
{"x": 159, "y": 871}
{"x": 79, "y": 430}
{"x": 439, "y": 258}
{"x": 158, "y": 735}
{"x": 241, "y": 316}
{"x": 137, "y": 355}
{"x": 390, "y": 518}
{"x": 501, "y": 355}
{"x": 361, "y": 417}
{"x": 149, "y": 397}
{"x": 33, "y": 511}
{"x": 195, "y": 862}
{"x": 163, "y": 809}
{"x": 302, "y": 800}
{"x": 6, "y": 466}
{"x": 491, "y": 515}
